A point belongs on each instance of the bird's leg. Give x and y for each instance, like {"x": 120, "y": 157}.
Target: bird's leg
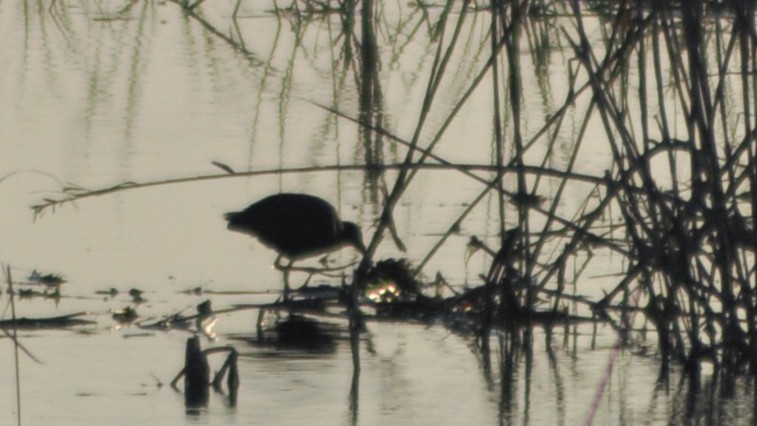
{"x": 259, "y": 324}
{"x": 286, "y": 283}
{"x": 285, "y": 269}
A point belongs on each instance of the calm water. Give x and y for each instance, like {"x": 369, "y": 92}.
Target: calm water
{"x": 93, "y": 95}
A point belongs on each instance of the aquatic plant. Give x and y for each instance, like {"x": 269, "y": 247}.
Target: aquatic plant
{"x": 672, "y": 86}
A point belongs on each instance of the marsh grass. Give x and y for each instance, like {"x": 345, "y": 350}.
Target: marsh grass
{"x": 672, "y": 85}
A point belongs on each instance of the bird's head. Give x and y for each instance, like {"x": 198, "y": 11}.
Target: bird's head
{"x": 351, "y": 235}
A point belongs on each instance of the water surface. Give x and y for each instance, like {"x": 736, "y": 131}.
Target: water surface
{"x": 95, "y": 95}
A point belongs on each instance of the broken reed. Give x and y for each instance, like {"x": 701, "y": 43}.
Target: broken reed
{"x": 14, "y": 338}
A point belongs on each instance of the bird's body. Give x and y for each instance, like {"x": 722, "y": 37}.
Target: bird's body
{"x": 296, "y": 225}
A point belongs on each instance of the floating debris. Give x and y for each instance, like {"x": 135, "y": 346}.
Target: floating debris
{"x": 31, "y": 293}
{"x": 314, "y": 298}
{"x": 136, "y": 296}
{"x": 125, "y": 316}
{"x": 28, "y": 293}
{"x": 321, "y": 292}
{"x": 112, "y": 292}
{"x": 49, "y": 322}
{"x": 49, "y": 280}
{"x": 193, "y": 291}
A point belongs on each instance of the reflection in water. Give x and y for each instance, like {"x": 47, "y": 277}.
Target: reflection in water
{"x": 196, "y": 377}
{"x": 517, "y": 378}
{"x": 354, "y": 400}
{"x": 554, "y": 368}
{"x": 624, "y": 168}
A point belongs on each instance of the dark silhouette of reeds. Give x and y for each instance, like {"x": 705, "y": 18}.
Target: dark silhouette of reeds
{"x": 673, "y": 87}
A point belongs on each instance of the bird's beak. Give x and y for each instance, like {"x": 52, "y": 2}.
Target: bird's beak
{"x": 361, "y": 248}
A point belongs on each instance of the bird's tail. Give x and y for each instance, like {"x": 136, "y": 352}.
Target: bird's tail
{"x": 231, "y": 217}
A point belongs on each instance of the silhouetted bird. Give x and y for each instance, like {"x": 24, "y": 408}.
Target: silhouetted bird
{"x": 296, "y": 226}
